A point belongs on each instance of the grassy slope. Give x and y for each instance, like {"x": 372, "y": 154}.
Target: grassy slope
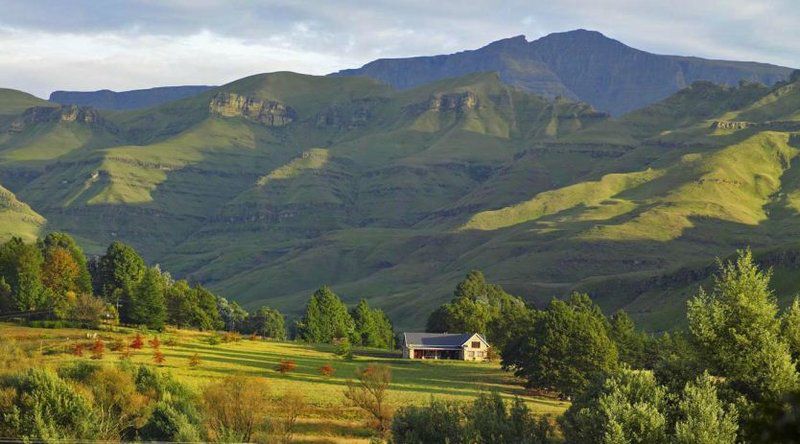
{"x": 413, "y": 382}
{"x": 388, "y": 197}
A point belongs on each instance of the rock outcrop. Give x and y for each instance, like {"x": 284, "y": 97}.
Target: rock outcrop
{"x": 266, "y": 112}
{"x": 44, "y": 114}
{"x": 458, "y": 102}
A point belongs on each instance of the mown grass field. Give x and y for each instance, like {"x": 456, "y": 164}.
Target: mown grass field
{"x": 328, "y": 418}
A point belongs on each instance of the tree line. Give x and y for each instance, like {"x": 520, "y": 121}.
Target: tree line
{"x": 732, "y": 376}
{"x": 53, "y": 279}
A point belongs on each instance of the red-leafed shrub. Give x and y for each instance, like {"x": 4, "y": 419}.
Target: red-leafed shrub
{"x": 327, "y": 370}
{"x": 286, "y": 366}
{"x": 98, "y": 348}
{"x": 138, "y": 342}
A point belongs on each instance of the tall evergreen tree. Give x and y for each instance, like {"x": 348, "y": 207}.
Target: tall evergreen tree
{"x": 372, "y": 328}
{"x": 147, "y": 306}
{"x": 118, "y": 272}
{"x": 739, "y": 332}
{"x": 326, "y": 318}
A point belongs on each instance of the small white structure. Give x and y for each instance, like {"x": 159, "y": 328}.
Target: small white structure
{"x": 458, "y": 346}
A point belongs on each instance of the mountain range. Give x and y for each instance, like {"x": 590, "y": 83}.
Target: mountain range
{"x": 272, "y": 185}
{"x": 578, "y": 65}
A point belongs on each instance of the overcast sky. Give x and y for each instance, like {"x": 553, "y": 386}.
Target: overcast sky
{"x": 115, "y": 44}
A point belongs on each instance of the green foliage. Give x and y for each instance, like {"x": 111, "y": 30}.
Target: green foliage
{"x": 118, "y": 272}
{"x": 268, "y": 322}
{"x": 478, "y": 307}
{"x": 632, "y": 344}
{"x": 45, "y": 408}
{"x": 326, "y": 318}
{"x": 790, "y": 323}
{"x": 147, "y": 305}
{"x": 487, "y": 420}
{"x": 628, "y": 407}
{"x": 232, "y": 315}
{"x": 739, "y": 332}
{"x": 191, "y": 307}
{"x": 20, "y": 267}
{"x": 564, "y": 348}
{"x": 372, "y": 328}
{"x": 704, "y": 419}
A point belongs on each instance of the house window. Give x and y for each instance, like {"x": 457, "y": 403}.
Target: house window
{"x": 476, "y": 344}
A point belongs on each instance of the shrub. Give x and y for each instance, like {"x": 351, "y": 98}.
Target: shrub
{"x": 43, "y": 407}
{"x": 369, "y": 393}
{"x": 77, "y": 349}
{"x": 168, "y": 424}
{"x": 171, "y": 342}
{"x": 439, "y": 421}
{"x": 79, "y": 371}
{"x": 138, "y": 342}
{"x": 231, "y": 336}
{"x": 98, "y": 348}
{"x": 214, "y": 339}
{"x": 158, "y": 357}
{"x": 235, "y": 408}
{"x": 286, "y": 366}
{"x": 194, "y": 361}
{"x": 327, "y": 370}
{"x": 116, "y": 345}
{"x": 154, "y": 343}
{"x": 344, "y": 348}
{"x": 119, "y": 407}
{"x": 292, "y": 406}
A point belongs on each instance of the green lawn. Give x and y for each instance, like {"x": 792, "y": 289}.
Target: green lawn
{"x": 329, "y": 419}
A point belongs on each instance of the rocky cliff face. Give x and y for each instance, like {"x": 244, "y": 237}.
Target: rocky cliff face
{"x": 458, "y": 102}
{"x": 266, "y": 112}
{"x": 584, "y": 65}
{"x": 43, "y": 114}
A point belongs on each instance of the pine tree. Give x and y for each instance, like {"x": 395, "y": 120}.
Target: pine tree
{"x": 326, "y": 318}
{"x": 147, "y": 306}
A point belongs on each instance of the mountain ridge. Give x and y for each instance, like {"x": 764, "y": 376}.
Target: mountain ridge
{"x": 127, "y": 100}
{"x": 580, "y": 64}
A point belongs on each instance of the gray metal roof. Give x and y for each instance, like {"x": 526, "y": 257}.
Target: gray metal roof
{"x": 438, "y": 340}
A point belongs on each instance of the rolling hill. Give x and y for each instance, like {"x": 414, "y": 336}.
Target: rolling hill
{"x": 581, "y": 65}
{"x": 268, "y": 187}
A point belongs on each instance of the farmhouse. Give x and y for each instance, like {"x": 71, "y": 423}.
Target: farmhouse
{"x": 460, "y": 346}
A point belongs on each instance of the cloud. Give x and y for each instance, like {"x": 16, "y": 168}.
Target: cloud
{"x": 116, "y": 44}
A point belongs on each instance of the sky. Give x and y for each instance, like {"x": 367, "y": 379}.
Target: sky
{"x": 88, "y": 45}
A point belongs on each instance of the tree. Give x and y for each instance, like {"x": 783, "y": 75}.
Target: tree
{"x": 704, "y": 418}
{"x": 626, "y": 408}
{"x": 60, "y": 271}
{"x": 439, "y": 421}
{"x": 83, "y": 280}
{"x": 207, "y": 316}
{"x": 181, "y": 304}
{"x": 738, "y": 331}
{"x": 491, "y": 420}
{"x": 118, "y": 272}
{"x": 232, "y": 314}
{"x": 564, "y": 348}
{"x": 369, "y": 392}
{"x": 631, "y": 343}
{"x": 269, "y": 323}
{"x": 790, "y": 322}
{"x": 372, "y": 328}
{"x": 477, "y": 306}
{"x": 20, "y": 266}
{"x": 147, "y": 306}
{"x": 326, "y": 318}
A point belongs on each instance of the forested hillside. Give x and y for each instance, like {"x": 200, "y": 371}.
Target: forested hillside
{"x": 266, "y": 188}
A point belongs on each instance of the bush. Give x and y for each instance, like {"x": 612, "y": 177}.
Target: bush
{"x": 214, "y": 339}
{"x": 194, "y": 361}
{"x": 40, "y": 406}
{"x": 231, "y": 336}
{"x": 79, "y": 371}
{"x": 327, "y": 370}
{"x": 236, "y": 408}
{"x": 344, "y": 348}
{"x": 98, "y": 348}
{"x": 168, "y": 424}
{"x": 286, "y": 366}
{"x": 369, "y": 392}
{"x": 439, "y": 421}
{"x": 138, "y": 342}
{"x": 154, "y": 343}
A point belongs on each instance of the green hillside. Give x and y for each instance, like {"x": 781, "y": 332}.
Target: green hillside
{"x": 268, "y": 187}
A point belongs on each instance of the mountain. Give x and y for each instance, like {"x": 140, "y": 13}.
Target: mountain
{"x": 582, "y": 65}
{"x": 127, "y": 100}
{"x": 270, "y": 186}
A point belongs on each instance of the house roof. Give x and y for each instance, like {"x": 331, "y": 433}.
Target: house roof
{"x": 439, "y": 340}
